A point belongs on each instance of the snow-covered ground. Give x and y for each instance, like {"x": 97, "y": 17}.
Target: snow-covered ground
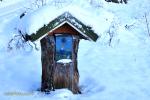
{"x": 116, "y": 71}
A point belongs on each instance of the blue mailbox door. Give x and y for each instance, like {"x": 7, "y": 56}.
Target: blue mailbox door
{"x": 64, "y": 47}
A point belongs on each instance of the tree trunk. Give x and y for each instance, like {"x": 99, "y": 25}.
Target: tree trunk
{"x": 48, "y": 62}
{"x": 55, "y": 74}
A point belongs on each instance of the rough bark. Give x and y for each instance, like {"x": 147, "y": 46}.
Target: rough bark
{"x": 48, "y": 62}
{"x": 75, "y": 87}
{"x": 59, "y": 75}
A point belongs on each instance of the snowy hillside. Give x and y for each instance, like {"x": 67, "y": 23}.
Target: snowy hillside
{"x": 116, "y": 67}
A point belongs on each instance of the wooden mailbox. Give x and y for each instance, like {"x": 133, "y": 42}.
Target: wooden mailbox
{"x": 59, "y": 48}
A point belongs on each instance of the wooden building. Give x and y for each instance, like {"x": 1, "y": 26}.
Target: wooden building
{"x": 59, "y": 47}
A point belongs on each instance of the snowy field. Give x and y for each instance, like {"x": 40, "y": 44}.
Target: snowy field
{"x": 119, "y": 70}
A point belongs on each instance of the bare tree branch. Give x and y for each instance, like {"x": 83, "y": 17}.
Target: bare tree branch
{"x": 147, "y": 24}
{"x": 21, "y": 41}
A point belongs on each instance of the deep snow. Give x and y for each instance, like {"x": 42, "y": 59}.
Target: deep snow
{"x": 120, "y": 71}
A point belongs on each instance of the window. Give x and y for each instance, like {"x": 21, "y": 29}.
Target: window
{"x": 63, "y": 47}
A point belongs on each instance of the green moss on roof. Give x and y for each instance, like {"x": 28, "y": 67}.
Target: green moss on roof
{"x": 86, "y": 30}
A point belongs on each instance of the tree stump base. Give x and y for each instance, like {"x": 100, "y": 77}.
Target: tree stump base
{"x": 65, "y": 76}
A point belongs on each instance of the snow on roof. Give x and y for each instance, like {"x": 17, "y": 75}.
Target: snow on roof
{"x": 33, "y": 21}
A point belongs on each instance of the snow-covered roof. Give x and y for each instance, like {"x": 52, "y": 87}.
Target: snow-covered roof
{"x": 33, "y": 23}
{"x": 65, "y": 18}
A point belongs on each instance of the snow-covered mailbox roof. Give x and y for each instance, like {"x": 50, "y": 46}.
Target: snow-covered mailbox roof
{"x": 85, "y": 31}
{"x": 59, "y": 37}
{"x": 41, "y": 22}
